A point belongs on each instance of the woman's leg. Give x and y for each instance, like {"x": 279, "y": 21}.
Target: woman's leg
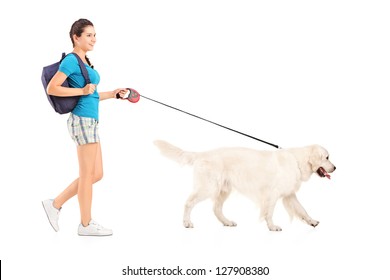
{"x": 68, "y": 193}
{"x": 73, "y": 188}
{"x": 87, "y": 158}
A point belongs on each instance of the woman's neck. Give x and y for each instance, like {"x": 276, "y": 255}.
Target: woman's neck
{"x": 81, "y": 53}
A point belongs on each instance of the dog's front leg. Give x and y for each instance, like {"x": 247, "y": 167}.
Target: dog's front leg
{"x": 294, "y": 208}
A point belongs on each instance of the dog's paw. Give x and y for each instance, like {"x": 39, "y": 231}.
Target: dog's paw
{"x": 310, "y": 221}
{"x": 188, "y": 224}
{"x": 274, "y": 228}
{"x": 230, "y": 224}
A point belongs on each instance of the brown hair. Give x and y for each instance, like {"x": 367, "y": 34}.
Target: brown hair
{"x": 78, "y": 28}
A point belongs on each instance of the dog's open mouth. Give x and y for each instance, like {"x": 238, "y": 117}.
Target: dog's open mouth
{"x": 322, "y": 173}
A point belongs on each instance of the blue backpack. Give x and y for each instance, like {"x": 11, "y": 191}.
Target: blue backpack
{"x": 62, "y": 105}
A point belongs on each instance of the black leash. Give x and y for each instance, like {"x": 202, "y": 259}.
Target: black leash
{"x": 247, "y": 135}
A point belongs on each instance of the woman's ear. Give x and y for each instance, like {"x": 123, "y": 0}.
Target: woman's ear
{"x": 75, "y": 39}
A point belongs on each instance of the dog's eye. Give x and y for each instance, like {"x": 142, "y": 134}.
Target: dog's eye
{"x": 327, "y": 158}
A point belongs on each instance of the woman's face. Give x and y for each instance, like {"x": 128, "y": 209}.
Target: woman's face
{"x": 87, "y": 39}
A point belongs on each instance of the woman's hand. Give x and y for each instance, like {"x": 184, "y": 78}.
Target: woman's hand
{"x": 121, "y": 92}
{"x": 89, "y": 89}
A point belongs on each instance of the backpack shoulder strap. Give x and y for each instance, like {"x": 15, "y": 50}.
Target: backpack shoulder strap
{"x": 83, "y": 69}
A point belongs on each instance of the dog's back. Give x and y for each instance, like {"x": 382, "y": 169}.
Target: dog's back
{"x": 231, "y": 155}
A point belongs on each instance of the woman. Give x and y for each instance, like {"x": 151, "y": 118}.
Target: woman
{"x": 83, "y": 128}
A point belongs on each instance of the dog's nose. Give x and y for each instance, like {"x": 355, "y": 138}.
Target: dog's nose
{"x": 334, "y": 168}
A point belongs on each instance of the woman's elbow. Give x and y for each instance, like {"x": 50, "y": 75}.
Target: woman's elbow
{"x": 49, "y": 89}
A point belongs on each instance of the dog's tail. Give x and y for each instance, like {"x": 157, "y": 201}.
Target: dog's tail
{"x": 175, "y": 153}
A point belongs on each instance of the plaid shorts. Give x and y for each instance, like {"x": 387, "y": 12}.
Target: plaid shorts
{"x": 83, "y": 130}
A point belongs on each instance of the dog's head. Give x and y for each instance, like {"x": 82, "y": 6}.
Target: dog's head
{"x": 319, "y": 161}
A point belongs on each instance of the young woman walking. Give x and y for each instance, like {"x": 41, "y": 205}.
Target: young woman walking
{"x": 83, "y": 128}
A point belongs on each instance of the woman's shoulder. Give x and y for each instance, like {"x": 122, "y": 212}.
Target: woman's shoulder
{"x": 69, "y": 65}
{"x": 70, "y": 58}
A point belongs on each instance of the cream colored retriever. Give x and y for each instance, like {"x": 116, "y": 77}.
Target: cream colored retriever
{"x": 263, "y": 176}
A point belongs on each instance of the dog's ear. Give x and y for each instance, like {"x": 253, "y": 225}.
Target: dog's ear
{"x": 314, "y": 157}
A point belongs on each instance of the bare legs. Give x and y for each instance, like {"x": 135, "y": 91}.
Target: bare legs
{"x": 90, "y": 172}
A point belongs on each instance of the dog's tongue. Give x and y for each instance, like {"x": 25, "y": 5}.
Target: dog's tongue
{"x": 322, "y": 172}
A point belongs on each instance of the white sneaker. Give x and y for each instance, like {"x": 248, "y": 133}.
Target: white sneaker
{"x": 94, "y": 229}
{"x": 52, "y": 213}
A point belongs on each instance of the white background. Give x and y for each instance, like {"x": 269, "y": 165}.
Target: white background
{"x": 290, "y": 72}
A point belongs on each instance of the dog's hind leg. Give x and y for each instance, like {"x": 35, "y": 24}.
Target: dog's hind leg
{"x": 294, "y": 208}
{"x": 192, "y": 200}
{"x": 218, "y": 204}
{"x": 202, "y": 180}
{"x": 267, "y": 209}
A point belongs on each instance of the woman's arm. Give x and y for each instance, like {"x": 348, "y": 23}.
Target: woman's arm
{"x": 55, "y": 87}
{"x": 112, "y": 94}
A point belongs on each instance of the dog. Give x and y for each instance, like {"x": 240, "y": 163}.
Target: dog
{"x": 263, "y": 176}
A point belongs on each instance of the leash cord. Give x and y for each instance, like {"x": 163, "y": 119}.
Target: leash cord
{"x": 228, "y": 128}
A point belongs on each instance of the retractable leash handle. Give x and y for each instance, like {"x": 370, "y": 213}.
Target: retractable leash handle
{"x": 133, "y": 96}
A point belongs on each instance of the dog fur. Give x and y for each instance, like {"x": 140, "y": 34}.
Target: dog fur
{"x": 262, "y": 176}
